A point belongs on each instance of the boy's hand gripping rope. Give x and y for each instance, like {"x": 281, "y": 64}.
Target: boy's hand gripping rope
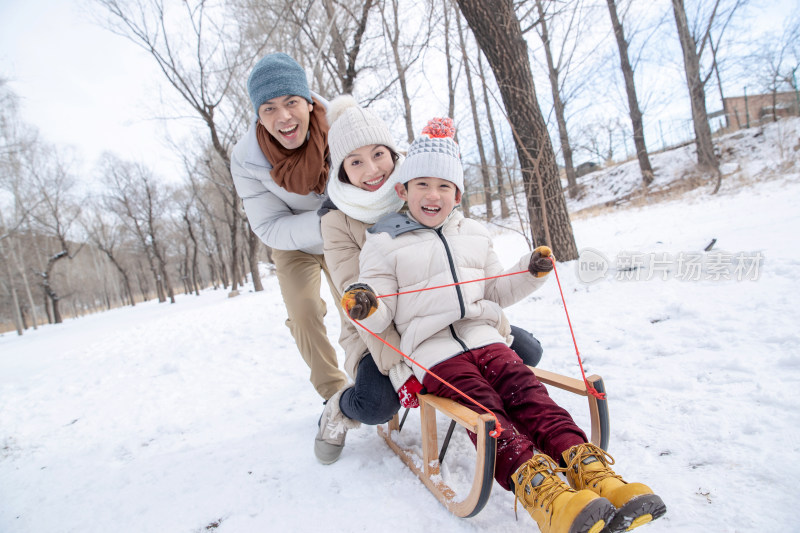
{"x": 498, "y": 429}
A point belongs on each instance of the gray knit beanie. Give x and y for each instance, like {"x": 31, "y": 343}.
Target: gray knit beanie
{"x": 276, "y": 75}
{"x": 352, "y": 127}
{"x": 434, "y": 154}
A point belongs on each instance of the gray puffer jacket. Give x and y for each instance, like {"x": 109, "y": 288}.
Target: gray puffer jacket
{"x": 402, "y": 255}
{"x": 283, "y": 220}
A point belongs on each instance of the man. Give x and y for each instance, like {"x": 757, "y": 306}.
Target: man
{"x": 280, "y": 169}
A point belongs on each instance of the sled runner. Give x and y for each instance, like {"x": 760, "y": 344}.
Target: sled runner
{"x": 427, "y": 467}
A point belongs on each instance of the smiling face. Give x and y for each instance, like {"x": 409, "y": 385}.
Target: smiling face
{"x": 368, "y": 167}
{"x": 286, "y": 119}
{"x": 430, "y": 200}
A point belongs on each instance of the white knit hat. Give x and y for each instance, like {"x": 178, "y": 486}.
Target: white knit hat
{"x": 351, "y": 127}
{"x": 434, "y": 154}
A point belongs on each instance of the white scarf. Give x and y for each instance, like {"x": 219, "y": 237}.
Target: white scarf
{"x": 365, "y": 206}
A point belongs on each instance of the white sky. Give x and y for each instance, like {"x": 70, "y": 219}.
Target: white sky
{"x": 83, "y": 86}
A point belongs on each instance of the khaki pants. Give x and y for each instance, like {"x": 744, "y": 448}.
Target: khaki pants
{"x": 299, "y": 280}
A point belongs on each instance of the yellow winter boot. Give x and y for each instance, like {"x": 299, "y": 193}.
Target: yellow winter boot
{"x": 588, "y": 468}
{"x": 555, "y": 507}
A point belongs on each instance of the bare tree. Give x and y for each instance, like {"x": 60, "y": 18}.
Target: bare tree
{"x": 108, "y": 236}
{"x": 17, "y": 142}
{"x": 343, "y": 56}
{"x": 633, "y": 102}
{"x": 600, "y": 137}
{"x": 452, "y": 83}
{"x": 498, "y": 32}
{"x": 213, "y": 216}
{"x": 498, "y": 159}
{"x": 390, "y": 16}
{"x": 189, "y": 218}
{"x": 326, "y": 37}
{"x": 555, "y": 68}
{"x": 203, "y": 55}
{"x": 451, "y": 76}
{"x": 776, "y": 61}
{"x": 692, "y": 48}
{"x": 476, "y": 123}
{"x": 54, "y": 218}
{"x": 138, "y": 199}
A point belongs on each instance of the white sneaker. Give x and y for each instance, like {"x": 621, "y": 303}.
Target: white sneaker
{"x": 333, "y": 426}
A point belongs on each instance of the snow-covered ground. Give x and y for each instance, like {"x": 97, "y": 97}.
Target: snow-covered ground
{"x": 198, "y": 416}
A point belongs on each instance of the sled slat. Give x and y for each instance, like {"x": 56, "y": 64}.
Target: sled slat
{"x": 483, "y": 478}
{"x": 461, "y": 414}
{"x": 573, "y": 385}
{"x": 430, "y": 446}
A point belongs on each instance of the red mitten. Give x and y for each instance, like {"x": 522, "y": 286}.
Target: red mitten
{"x": 408, "y": 392}
{"x": 406, "y": 384}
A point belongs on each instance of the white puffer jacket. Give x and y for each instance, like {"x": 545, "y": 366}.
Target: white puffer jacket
{"x": 402, "y": 255}
{"x": 283, "y": 220}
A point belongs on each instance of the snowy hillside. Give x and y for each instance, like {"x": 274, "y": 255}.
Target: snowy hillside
{"x": 755, "y": 154}
{"x": 199, "y": 417}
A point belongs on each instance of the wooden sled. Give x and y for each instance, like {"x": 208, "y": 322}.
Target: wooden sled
{"x": 427, "y": 467}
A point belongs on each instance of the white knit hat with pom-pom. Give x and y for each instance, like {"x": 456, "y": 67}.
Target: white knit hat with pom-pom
{"x": 434, "y": 154}
{"x": 351, "y": 127}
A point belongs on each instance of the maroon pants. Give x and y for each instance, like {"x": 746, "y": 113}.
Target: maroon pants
{"x": 496, "y": 377}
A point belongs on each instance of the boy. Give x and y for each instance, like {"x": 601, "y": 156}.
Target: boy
{"x": 453, "y": 331}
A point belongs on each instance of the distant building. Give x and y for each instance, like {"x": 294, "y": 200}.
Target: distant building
{"x": 755, "y": 109}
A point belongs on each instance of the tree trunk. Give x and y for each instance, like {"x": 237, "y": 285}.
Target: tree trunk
{"x": 234, "y": 230}
{"x": 394, "y": 35}
{"x": 183, "y": 270}
{"x": 15, "y": 254}
{"x": 194, "y": 267}
{"x": 126, "y": 282}
{"x": 451, "y": 104}
{"x": 98, "y": 269}
{"x": 498, "y": 32}
{"x": 254, "y": 243}
{"x": 451, "y": 84}
{"x": 501, "y": 193}
{"x": 50, "y": 293}
{"x": 633, "y": 102}
{"x": 715, "y": 66}
{"x": 162, "y": 268}
{"x": 487, "y": 181}
{"x": 15, "y": 299}
{"x": 156, "y": 276}
{"x": 167, "y": 281}
{"x": 141, "y": 278}
{"x": 706, "y": 158}
{"x": 558, "y": 105}
{"x": 344, "y": 58}
{"x": 46, "y": 303}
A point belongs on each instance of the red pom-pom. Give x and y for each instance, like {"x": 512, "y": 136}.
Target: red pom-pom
{"x": 440, "y": 128}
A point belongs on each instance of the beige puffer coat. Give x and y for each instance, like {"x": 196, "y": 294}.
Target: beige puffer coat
{"x": 401, "y": 255}
{"x": 343, "y": 237}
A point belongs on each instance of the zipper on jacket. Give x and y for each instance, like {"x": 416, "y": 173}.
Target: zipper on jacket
{"x": 452, "y": 270}
{"x": 458, "y": 288}
{"x": 457, "y": 338}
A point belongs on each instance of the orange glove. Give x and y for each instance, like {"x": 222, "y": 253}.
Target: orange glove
{"x": 540, "y": 264}
{"x": 359, "y": 301}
